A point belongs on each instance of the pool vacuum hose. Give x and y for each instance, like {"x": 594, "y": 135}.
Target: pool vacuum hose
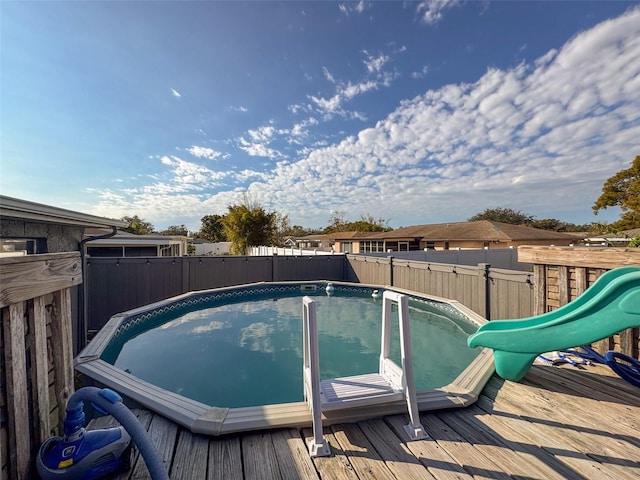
{"x": 91, "y": 454}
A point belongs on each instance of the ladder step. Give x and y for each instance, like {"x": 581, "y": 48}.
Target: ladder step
{"x": 358, "y": 390}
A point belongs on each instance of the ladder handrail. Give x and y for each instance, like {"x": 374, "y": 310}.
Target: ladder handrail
{"x": 318, "y": 446}
{"x": 397, "y": 377}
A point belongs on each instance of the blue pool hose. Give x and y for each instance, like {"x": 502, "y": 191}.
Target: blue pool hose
{"x": 628, "y": 370}
{"x": 111, "y": 402}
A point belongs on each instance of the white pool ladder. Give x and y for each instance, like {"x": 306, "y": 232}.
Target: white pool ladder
{"x": 391, "y": 384}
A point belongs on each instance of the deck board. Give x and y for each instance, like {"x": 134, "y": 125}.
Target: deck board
{"x": 225, "y": 459}
{"x": 556, "y": 423}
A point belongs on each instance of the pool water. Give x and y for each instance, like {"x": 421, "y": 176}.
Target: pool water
{"x": 249, "y": 353}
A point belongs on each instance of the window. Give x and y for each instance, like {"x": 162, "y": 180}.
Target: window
{"x": 15, "y": 247}
{"x": 372, "y": 246}
{"x": 346, "y": 247}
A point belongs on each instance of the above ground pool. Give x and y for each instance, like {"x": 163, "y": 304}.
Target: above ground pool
{"x": 230, "y": 359}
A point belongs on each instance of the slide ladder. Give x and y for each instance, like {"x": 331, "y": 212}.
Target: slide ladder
{"x": 391, "y": 383}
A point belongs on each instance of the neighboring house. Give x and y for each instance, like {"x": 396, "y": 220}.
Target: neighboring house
{"x": 310, "y": 242}
{"x": 620, "y": 239}
{"x": 446, "y": 236}
{"x": 28, "y": 228}
{"x": 32, "y": 230}
{"x": 125, "y": 244}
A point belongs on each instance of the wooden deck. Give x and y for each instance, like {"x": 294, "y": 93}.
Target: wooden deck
{"x": 556, "y": 423}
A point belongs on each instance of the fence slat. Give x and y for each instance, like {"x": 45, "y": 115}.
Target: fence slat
{"x": 61, "y": 343}
{"x": 40, "y": 368}
{"x": 17, "y": 398}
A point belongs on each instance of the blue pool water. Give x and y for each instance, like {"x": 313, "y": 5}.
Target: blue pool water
{"x": 248, "y": 351}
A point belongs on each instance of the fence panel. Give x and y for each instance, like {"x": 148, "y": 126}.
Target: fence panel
{"x": 118, "y": 284}
{"x": 215, "y": 272}
{"x": 370, "y": 270}
{"x": 455, "y": 282}
{"x": 312, "y": 267}
{"x": 511, "y": 294}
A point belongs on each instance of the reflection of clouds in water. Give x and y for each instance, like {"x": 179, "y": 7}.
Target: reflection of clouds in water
{"x": 209, "y": 327}
{"x": 186, "y": 318}
{"x": 256, "y": 337}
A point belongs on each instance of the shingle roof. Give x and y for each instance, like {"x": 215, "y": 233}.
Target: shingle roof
{"x": 483, "y": 230}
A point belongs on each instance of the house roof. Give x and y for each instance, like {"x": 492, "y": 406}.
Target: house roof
{"x": 128, "y": 238}
{"x": 15, "y": 208}
{"x": 481, "y": 230}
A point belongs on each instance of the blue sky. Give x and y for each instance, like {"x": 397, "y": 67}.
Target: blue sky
{"x": 414, "y": 112}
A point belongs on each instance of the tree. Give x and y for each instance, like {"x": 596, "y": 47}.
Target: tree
{"x": 622, "y": 190}
{"x": 176, "y": 231}
{"x": 138, "y": 226}
{"x": 504, "y": 215}
{"x": 367, "y": 223}
{"x": 282, "y": 226}
{"x": 336, "y": 223}
{"x": 248, "y": 225}
{"x": 213, "y": 228}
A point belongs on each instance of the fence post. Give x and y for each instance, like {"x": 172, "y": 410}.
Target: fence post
{"x": 390, "y": 271}
{"x": 186, "y": 277}
{"x": 484, "y": 292}
{"x": 274, "y": 268}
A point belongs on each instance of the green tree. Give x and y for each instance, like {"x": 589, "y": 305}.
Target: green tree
{"x": 175, "y": 230}
{"x": 367, "y": 223}
{"x": 248, "y": 225}
{"x": 138, "y": 226}
{"x": 504, "y": 215}
{"x": 336, "y": 223}
{"x": 213, "y": 228}
{"x": 622, "y": 190}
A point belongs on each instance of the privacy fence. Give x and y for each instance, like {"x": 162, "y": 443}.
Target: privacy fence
{"x": 114, "y": 285}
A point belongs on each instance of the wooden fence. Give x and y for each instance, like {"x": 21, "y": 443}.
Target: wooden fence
{"x": 562, "y": 273}
{"x": 36, "y": 371}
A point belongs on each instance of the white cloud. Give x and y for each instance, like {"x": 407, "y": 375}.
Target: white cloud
{"x": 375, "y": 64}
{"x": 175, "y": 93}
{"x": 359, "y": 7}
{"x": 328, "y": 75}
{"x": 204, "y": 152}
{"x": 421, "y": 73}
{"x": 533, "y": 137}
{"x": 508, "y": 137}
{"x": 433, "y": 10}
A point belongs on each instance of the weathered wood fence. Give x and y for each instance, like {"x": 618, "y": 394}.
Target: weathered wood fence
{"x": 36, "y": 374}
{"x": 562, "y": 273}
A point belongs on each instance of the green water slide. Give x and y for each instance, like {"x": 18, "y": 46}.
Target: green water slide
{"x": 608, "y": 306}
